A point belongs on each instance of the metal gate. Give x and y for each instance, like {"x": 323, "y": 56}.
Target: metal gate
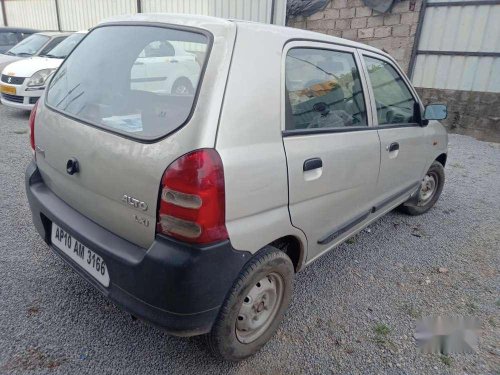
{"x": 457, "y": 46}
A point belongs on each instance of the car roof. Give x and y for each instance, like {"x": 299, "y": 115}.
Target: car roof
{"x": 214, "y": 24}
{"x": 18, "y": 30}
{"x": 54, "y": 33}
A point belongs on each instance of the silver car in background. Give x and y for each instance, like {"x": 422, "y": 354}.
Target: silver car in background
{"x": 194, "y": 208}
{"x": 35, "y": 45}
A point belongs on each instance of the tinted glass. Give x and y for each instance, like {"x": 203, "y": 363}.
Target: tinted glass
{"x": 8, "y": 38}
{"x": 395, "y": 103}
{"x": 109, "y": 81}
{"x": 50, "y": 46}
{"x": 66, "y": 46}
{"x": 159, "y": 49}
{"x": 324, "y": 90}
{"x": 29, "y": 46}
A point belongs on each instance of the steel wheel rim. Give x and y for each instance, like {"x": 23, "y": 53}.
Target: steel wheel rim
{"x": 428, "y": 188}
{"x": 259, "y": 308}
{"x": 181, "y": 90}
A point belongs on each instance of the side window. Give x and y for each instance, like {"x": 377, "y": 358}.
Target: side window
{"x": 159, "y": 49}
{"x": 54, "y": 42}
{"x": 8, "y": 39}
{"x": 395, "y": 103}
{"x": 323, "y": 89}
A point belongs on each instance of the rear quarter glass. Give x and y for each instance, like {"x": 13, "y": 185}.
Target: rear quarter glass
{"x": 140, "y": 81}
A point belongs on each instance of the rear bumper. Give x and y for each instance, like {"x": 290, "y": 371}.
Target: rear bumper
{"x": 173, "y": 285}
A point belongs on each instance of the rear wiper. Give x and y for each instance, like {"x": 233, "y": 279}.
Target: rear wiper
{"x": 24, "y": 54}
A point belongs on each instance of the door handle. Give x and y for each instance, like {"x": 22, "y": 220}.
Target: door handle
{"x": 393, "y": 147}
{"x": 313, "y": 163}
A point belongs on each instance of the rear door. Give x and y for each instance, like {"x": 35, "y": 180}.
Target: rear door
{"x": 332, "y": 149}
{"x": 401, "y": 136}
{"x": 122, "y": 137}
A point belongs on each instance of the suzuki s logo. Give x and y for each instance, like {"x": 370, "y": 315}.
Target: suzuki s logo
{"x": 134, "y": 202}
{"x": 9, "y": 80}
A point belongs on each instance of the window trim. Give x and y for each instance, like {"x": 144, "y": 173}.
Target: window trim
{"x": 404, "y": 79}
{"x": 131, "y": 137}
{"x": 306, "y": 44}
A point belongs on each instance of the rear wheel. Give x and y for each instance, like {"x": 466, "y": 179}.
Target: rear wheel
{"x": 254, "y": 307}
{"x": 430, "y": 189}
{"x": 182, "y": 86}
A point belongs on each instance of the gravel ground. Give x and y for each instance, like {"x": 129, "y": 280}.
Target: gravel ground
{"x": 52, "y": 322}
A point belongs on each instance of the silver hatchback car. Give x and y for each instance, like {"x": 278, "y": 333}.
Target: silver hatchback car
{"x": 192, "y": 209}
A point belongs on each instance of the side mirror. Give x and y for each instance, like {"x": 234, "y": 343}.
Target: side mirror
{"x": 436, "y": 112}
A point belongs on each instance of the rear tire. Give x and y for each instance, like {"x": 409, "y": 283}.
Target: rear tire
{"x": 182, "y": 86}
{"x": 254, "y": 307}
{"x": 428, "y": 192}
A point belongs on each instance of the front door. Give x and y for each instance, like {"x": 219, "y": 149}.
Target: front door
{"x": 401, "y": 134}
{"x": 332, "y": 149}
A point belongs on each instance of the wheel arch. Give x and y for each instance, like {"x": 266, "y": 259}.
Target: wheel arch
{"x": 293, "y": 247}
{"x": 442, "y": 159}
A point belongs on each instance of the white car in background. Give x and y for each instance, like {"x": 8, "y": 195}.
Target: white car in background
{"x": 35, "y": 45}
{"x": 166, "y": 67}
{"x": 23, "y": 82}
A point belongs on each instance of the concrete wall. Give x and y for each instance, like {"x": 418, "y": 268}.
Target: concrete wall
{"x": 469, "y": 112}
{"x": 393, "y": 32}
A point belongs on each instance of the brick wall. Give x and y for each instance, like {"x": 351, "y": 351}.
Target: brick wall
{"x": 393, "y": 32}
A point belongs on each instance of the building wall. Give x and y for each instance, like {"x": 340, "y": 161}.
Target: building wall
{"x": 475, "y": 113}
{"x": 462, "y": 53}
{"x": 2, "y": 23}
{"x": 393, "y": 32}
{"x": 471, "y": 113}
{"x": 35, "y": 14}
{"x": 76, "y": 15}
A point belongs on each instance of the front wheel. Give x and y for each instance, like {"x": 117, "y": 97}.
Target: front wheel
{"x": 430, "y": 189}
{"x": 254, "y": 307}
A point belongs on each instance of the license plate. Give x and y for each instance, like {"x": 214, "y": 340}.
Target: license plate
{"x": 82, "y": 255}
{"x": 8, "y": 89}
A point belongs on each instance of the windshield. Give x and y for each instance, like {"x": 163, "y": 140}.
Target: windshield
{"x": 66, "y": 46}
{"x": 135, "y": 80}
{"x": 29, "y": 46}
{"x": 8, "y": 38}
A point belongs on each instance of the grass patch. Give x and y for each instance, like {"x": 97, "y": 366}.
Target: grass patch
{"x": 382, "y": 329}
{"x": 23, "y": 131}
{"x": 472, "y": 307}
{"x": 457, "y": 165}
{"x": 411, "y": 310}
{"x": 498, "y": 302}
{"x": 446, "y": 360}
{"x": 351, "y": 241}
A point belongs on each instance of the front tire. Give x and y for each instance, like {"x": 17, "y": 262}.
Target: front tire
{"x": 429, "y": 191}
{"x": 255, "y": 306}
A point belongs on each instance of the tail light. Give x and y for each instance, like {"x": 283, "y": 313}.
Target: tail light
{"x": 32, "y": 126}
{"x": 192, "y": 201}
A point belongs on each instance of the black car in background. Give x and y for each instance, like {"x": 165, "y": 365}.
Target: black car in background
{"x": 10, "y": 36}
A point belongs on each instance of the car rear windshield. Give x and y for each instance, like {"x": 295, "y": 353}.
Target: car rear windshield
{"x": 139, "y": 81}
